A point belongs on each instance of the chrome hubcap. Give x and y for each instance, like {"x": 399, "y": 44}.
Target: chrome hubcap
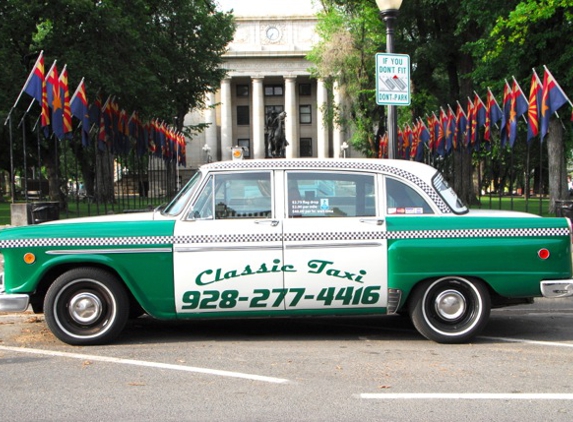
{"x": 450, "y": 305}
{"x": 85, "y": 308}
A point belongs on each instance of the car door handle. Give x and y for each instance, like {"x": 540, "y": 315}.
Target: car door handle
{"x": 273, "y": 223}
{"x": 377, "y": 221}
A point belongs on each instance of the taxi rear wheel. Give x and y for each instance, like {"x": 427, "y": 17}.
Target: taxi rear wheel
{"x": 86, "y": 306}
{"x": 450, "y": 309}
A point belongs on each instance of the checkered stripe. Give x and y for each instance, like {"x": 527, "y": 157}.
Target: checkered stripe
{"x": 475, "y": 233}
{"x": 229, "y": 238}
{"x": 341, "y": 165}
{"x": 87, "y": 241}
{"x": 290, "y": 237}
{"x": 330, "y": 236}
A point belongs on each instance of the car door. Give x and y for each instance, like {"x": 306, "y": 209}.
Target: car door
{"x": 228, "y": 248}
{"x": 335, "y": 238}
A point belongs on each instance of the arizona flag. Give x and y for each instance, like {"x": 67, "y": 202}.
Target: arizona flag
{"x": 79, "y": 109}
{"x": 518, "y": 108}
{"x": 55, "y": 101}
{"x": 505, "y": 117}
{"x": 552, "y": 99}
{"x": 65, "y": 96}
{"x": 492, "y": 115}
{"x": 35, "y": 86}
{"x": 533, "y": 114}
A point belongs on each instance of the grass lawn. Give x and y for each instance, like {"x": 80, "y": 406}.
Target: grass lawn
{"x": 81, "y": 209}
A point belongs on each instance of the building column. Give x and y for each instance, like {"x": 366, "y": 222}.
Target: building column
{"x": 321, "y": 128}
{"x": 226, "y": 120}
{"x": 211, "y": 130}
{"x": 291, "y": 124}
{"x": 258, "y": 106}
{"x": 337, "y": 130}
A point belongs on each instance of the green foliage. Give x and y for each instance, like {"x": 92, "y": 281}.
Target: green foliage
{"x": 156, "y": 56}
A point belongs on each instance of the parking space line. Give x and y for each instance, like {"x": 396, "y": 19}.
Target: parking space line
{"x": 525, "y": 341}
{"x": 467, "y": 396}
{"x": 107, "y": 359}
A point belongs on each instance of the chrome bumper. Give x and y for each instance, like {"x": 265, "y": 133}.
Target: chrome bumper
{"x": 557, "y": 288}
{"x": 12, "y": 302}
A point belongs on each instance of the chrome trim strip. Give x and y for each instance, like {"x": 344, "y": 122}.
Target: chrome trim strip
{"x": 225, "y": 248}
{"x": 107, "y": 251}
{"x": 334, "y": 245}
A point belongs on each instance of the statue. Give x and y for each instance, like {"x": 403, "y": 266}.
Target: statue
{"x": 275, "y": 140}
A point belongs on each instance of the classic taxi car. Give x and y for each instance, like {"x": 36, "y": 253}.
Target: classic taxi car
{"x": 264, "y": 238}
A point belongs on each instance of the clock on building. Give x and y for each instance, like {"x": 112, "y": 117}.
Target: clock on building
{"x": 273, "y": 33}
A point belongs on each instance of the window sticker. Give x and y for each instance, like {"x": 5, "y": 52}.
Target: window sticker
{"x": 405, "y": 210}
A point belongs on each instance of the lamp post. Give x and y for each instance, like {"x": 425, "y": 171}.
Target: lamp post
{"x": 389, "y": 13}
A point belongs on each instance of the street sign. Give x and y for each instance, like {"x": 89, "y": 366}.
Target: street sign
{"x": 392, "y": 79}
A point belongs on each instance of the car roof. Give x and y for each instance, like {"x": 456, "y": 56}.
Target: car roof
{"x": 397, "y": 167}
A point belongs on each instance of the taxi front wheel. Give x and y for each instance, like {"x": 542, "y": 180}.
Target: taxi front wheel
{"x": 450, "y": 309}
{"x": 86, "y": 306}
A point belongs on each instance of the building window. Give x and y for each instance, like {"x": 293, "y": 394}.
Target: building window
{"x": 246, "y": 145}
{"x": 242, "y": 90}
{"x": 305, "y": 147}
{"x": 273, "y": 90}
{"x": 305, "y": 114}
{"x": 243, "y": 116}
{"x": 304, "y": 90}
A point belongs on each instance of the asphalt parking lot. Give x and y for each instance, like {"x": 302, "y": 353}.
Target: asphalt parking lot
{"x": 316, "y": 369}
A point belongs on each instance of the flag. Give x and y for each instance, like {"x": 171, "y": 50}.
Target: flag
{"x": 461, "y": 123}
{"x": 79, "y": 109}
{"x": 533, "y": 114}
{"x": 450, "y": 129}
{"x": 35, "y": 86}
{"x": 478, "y": 120}
{"x": 442, "y": 122}
{"x": 65, "y": 96}
{"x": 432, "y": 133}
{"x": 55, "y": 101}
{"x": 505, "y": 116}
{"x": 518, "y": 108}
{"x": 552, "y": 99}
{"x": 470, "y": 122}
{"x": 492, "y": 115}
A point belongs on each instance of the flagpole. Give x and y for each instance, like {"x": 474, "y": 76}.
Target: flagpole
{"x": 24, "y": 87}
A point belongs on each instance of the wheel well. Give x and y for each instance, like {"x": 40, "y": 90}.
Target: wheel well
{"x": 495, "y": 297}
{"x": 37, "y": 299}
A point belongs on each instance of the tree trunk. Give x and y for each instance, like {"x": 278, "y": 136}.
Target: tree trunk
{"x": 556, "y": 162}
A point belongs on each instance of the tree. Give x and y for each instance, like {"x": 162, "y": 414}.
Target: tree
{"x": 159, "y": 57}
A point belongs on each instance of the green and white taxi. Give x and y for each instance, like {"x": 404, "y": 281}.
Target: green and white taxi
{"x": 279, "y": 238}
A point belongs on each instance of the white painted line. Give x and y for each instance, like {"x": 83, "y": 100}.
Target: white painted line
{"x": 467, "y": 396}
{"x": 148, "y": 364}
{"x": 525, "y": 341}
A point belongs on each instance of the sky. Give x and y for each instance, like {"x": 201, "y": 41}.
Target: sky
{"x": 269, "y": 8}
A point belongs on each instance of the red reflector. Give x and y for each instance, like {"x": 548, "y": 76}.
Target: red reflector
{"x": 543, "y": 253}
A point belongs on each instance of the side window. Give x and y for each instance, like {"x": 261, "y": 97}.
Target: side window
{"x": 326, "y": 194}
{"x": 203, "y": 208}
{"x": 402, "y": 199}
{"x": 243, "y": 195}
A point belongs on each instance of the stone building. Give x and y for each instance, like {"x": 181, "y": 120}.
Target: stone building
{"x": 267, "y": 71}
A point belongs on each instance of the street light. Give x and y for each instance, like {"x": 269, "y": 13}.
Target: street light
{"x": 389, "y": 13}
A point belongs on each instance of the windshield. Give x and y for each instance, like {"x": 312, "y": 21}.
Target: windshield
{"x": 448, "y": 194}
{"x": 182, "y": 198}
